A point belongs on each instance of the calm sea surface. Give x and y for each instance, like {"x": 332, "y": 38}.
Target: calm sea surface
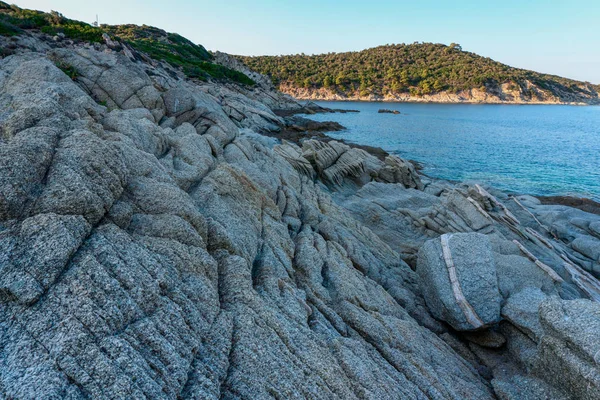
{"x": 539, "y": 150}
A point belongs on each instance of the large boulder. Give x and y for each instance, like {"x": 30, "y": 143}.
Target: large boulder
{"x": 458, "y": 279}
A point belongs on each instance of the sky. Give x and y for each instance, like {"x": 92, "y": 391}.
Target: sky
{"x": 551, "y": 36}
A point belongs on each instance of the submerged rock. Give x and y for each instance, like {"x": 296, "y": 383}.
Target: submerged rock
{"x": 386, "y": 111}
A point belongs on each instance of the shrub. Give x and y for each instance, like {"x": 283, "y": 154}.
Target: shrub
{"x": 191, "y": 58}
{"x": 68, "y": 69}
{"x": 7, "y": 29}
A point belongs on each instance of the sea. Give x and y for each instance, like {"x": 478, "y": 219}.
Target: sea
{"x": 546, "y": 150}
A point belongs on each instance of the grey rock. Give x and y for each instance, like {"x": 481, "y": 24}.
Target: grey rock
{"x": 157, "y": 246}
{"x": 145, "y": 261}
{"x": 519, "y": 387}
{"x": 521, "y": 309}
{"x": 469, "y": 213}
{"x": 588, "y": 246}
{"x": 477, "y": 281}
{"x": 516, "y": 273}
{"x": 394, "y": 213}
{"x": 42, "y": 247}
{"x": 521, "y": 349}
{"x": 594, "y": 228}
{"x": 39, "y": 94}
{"x": 569, "y": 353}
{"x": 335, "y": 161}
{"x": 397, "y": 170}
{"x": 112, "y": 78}
{"x": 338, "y": 164}
{"x": 293, "y": 154}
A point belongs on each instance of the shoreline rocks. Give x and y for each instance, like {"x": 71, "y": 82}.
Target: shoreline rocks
{"x": 583, "y": 204}
{"x": 160, "y": 246}
{"x": 569, "y": 352}
{"x": 311, "y": 108}
{"x": 471, "y": 96}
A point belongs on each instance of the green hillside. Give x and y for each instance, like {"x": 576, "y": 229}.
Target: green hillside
{"x": 416, "y": 69}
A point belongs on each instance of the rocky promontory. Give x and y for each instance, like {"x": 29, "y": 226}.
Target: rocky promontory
{"x": 158, "y": 240}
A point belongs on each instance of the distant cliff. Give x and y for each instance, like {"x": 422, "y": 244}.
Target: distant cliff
{"x": 417, "y": 72}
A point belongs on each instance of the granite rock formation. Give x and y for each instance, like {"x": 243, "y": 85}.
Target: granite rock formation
{"x": 153, "y": 244}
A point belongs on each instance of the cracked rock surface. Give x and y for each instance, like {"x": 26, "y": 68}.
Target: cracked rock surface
{"x": 154, "y": 245}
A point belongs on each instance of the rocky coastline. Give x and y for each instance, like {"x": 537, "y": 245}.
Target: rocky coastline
{"x": 297, "y": 129}
{"x": 166, "y": 238}
{"x": 473, "y": 96}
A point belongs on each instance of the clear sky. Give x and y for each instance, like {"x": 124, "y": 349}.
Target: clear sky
{"x": 561, "y": 37}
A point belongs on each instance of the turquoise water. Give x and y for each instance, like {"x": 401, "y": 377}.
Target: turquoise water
{"x": 539, "y": 150}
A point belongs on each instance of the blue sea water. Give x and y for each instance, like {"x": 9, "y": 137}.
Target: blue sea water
{"x": 533, "y": 149}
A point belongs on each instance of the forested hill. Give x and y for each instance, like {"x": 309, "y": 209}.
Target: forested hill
{"x": 416, "y": 71}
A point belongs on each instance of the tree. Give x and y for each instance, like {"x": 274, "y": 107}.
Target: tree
{"x": 398, "y": 68}
{"x": 327, "y": 82}
{"x": 404, "y": 78}
{"x": 391, "y": 74}
{"x": 425, "y": 87}
{"x": 364, "y": 88}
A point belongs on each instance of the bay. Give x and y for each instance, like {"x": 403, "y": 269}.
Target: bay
{"x": 534, "y": 149}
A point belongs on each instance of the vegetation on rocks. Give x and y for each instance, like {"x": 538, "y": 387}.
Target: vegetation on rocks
{"x": 176, "y": 50}
{"x": 14, "y": 20}
{"x": 417, "y": 69}
{"x": 172, "y": 48}
{"x": 68, "y": 69}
